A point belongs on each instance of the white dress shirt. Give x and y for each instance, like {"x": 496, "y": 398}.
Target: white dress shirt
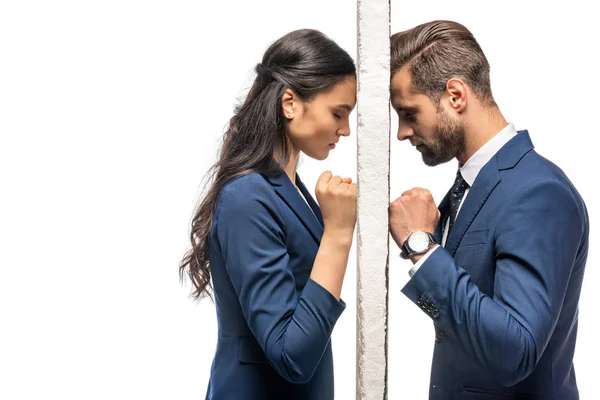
{"x": 469, "y": 172}
{"x": 305, "y": 200}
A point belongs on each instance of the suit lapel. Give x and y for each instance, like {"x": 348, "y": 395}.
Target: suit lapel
{"x": 444, "y": 209}
{"x": 310, "y": 216}
{"x": 313, "y": 204}
{"x": 487, "y": 179}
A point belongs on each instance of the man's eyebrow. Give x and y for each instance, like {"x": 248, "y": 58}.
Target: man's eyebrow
{"x": 346, "y": 107}
{"x": 401, "y": 107}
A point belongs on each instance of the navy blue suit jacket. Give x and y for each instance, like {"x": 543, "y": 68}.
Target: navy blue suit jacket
{"x": 274, "y": 321}
{"x": 503, "y": 294}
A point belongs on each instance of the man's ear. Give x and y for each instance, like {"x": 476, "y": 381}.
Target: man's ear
{"x": 456, "y": 95}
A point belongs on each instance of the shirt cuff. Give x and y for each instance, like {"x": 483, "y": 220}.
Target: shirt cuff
{"x": 418, "y": 264}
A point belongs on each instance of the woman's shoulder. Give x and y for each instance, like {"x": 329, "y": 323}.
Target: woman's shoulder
{"x": 246, "y": 183}
{"x": 242, "y": 191}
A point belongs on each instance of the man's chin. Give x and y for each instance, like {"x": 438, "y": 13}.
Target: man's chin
{"x": 429, "y": 159}
{"x": 432, "y": 161}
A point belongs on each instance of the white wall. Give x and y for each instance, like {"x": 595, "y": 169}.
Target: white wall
{"x": 110, "y": 114}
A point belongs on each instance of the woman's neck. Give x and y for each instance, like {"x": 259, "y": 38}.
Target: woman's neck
{"x": 290, "y": 168}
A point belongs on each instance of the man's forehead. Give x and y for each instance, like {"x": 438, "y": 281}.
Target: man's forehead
{"x": 398, "y": 95}
{"x": 400, "y": 84}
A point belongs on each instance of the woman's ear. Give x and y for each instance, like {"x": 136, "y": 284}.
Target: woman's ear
{"x": 288, "y": 103}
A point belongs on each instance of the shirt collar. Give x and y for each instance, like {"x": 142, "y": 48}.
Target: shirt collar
{"x": 471, "y": 168}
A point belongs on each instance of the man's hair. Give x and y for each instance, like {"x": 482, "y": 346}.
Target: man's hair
{"x": 438, "y": 51}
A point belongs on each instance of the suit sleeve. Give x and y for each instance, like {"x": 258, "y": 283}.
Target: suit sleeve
{"x": 536, "y": 245}
{"x": 293, "y": 330}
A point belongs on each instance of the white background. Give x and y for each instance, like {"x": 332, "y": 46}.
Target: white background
{"x": 110, "y": 114}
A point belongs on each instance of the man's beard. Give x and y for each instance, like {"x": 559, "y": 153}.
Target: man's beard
{"x": 448, "y": 141}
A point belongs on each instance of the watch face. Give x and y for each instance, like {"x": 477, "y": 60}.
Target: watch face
{"x": 418, "y": 241}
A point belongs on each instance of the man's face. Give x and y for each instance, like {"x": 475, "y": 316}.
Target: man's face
{"x": 429, "y": 127}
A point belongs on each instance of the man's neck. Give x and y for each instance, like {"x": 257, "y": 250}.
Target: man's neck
{"x": 482, "y": 124}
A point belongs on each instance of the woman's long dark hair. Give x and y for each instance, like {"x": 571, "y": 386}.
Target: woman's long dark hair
{"x": 305, "y": 61}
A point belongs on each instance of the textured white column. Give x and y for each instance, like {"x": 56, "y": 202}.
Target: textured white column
{"x": 373, "y": 141}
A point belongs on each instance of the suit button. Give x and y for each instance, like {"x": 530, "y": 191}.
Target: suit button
{"x": 420, "y": 300}
{"x": 439, "y": 339}
{"x": 435, "y": 313}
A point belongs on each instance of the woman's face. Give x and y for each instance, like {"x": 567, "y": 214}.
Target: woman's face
{"x": 316, "y": 126}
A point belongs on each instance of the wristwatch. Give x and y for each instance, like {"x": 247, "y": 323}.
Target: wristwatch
{"x": 418, "y": 242}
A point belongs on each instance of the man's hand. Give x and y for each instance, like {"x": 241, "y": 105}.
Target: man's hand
{"x": 415, "y": 210}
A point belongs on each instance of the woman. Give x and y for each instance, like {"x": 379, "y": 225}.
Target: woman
{"x": 278, "y": 260}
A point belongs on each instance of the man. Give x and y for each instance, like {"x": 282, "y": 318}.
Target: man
{"x": 498, "y": 266}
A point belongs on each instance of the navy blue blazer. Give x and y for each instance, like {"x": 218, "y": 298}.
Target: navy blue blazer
{"x": 503, "y": 294}
{"x": 274, "y": 322}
